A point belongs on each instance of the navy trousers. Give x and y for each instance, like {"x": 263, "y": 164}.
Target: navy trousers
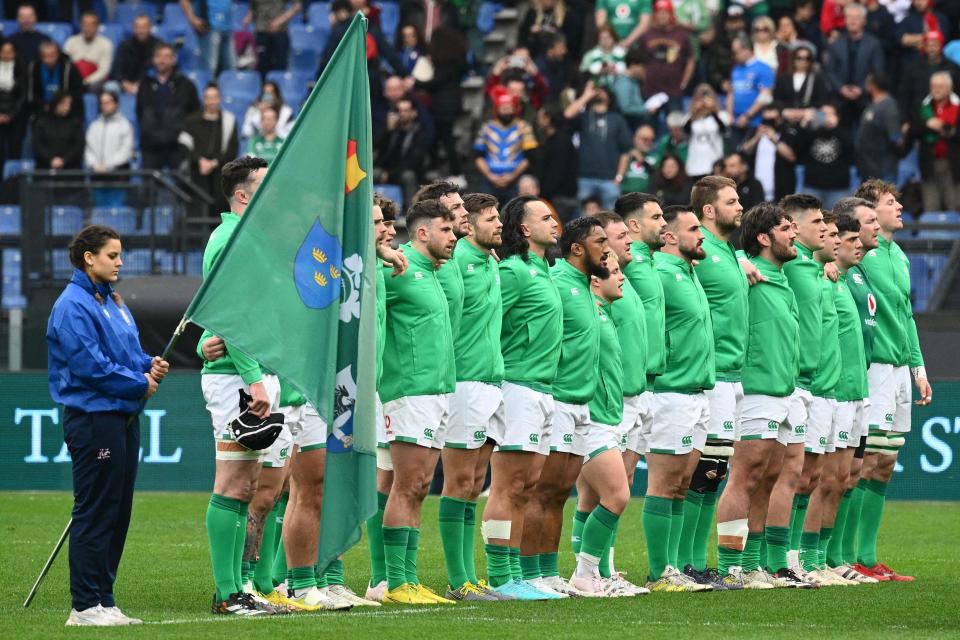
{"x": 105, "y": 452}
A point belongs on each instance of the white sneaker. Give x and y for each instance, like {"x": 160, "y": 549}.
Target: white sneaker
{"x": 340, "y": 601}
{"x": 850, "y": 573}
{"x": 626, "y": 586}
{"x": 846, "y": 574}
{"x": 376, "y": 592}
{"x": 119, "y": 615}
{"x": 344, "y": 592}
{"x": 93, "y": 617}
{"x": 540, "y": 584}
{"x": 316, "y": 598}
{"x": 561, "y": 586}
{"x": 824, "y": 578}
{"x": 753, "y": 580}
{"x": 594, "y": 586}
{"x": 793, "y": 562}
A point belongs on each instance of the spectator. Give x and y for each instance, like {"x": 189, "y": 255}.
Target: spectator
{"x": 772, "y": 149}
{"x": 750, "y": 87}
{"x": 370, "y": 12}
{"x": 604, "y": 138}
{"x": 91, "y": 52}
{"x": 528, "y": 185}
{"x": 164, "y": 100}
{"x": 920, "y": 18}
{"x": 502, "y": 149}
{"x": 402, "y": 149}
{"x": 271, "y": 19}
{"x": 518, "y": 66}
{"x": 448, "y": 56}
{"x": 693, "y": 14}
{"x": 749, "y": 189}
{"x": 13, "y": 103}
{"x": 803, "y": 87}
{"x": 58, "y": 135}
{"x": 52, "y": 73}
{"x": 210, "y": 141}
{"x": 897, "y": 8}
{"x": 629, "y": 19}
{"x": 270, "y": 96}
{"x": 828, "y": 157}
{"x": 109, "y": 139}
{"x": 591, "y": 206}
{"x": 638, "y": 165}
{"x": 546, "y": 19}
{"x": 626, "y": 90}
{"x": 556, "y": 66}
{"x": 669, "y": 55}
{"x": 716, "y": 60}
{"x": 832, "y": 19}
{"x": 706, "y": 127}
{"x": 411, "y": 47}
{"x": 606, "y": 60}
{"x": 850, "y": 59}
{"x": 27, "y": 39}
{"x": 212, "y": 21}
{"x": 266, "y": 143}
{"x": 805, "y": 19}
{"x": 881, "y": 24}
{"x": 915, "y": 81}
{"x": 558, "y": 165}
{"x": 134, "y": 55}
{"x": 878, "y": 138}
{"x": 675, "y": 140}
{"x": 766, "y": 49}
{"x": 787, "y": 34}
{"x": 940, "y": 145}
{"x": 429, "y": 15}
{"x": 394, "y": 90}
{"x": 671, "y": 184}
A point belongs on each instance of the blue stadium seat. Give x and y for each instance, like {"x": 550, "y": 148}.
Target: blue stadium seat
{"x": 392, "y": 191}
{"x": 237, "y": 105}
{"x": 11, "y": 296}
{"x": 175, "y": 20}
{"x": 123, "y": 219}
{"x": 318, "y": 15}
{"x": 16, "y": 167}
{"x": 8, "y": 28}
{"x": 486, "y": 16}
{"x": 91, "y": 107}
{"x": 940, "y": 217}
{"x": 56, "y": 31}
{"x": 307, "y": 37}
{"x": 10, "y": 224}
{"x": 170, "y": 34}
{"x": 192, "y": 263}
{"x": 136, "y": 262}
{"x": 128, "y": 107}
{"x": 906, "y": 234}
{"x": 925, "y": 272}
{"x": 293, "y": 85}
{"x": 163, "y": 219}
{"x": 239, "y": 11}
{"x": 304, "y": 61}
{"x": 62, "y": 269}
{"x": 199, "y": 77}
{"x": 126, "y": 12}
{"x": 114, "y": 33}
{"x": 389, "y": 19}
{"x": 239, "y": 83}
{"x": 64, "y": 221}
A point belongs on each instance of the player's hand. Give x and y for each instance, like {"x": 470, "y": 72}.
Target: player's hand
{"x": 750, "y": 270}
{"x": 213, "y": 349}
{"x": 831, "y": 272}
{"x": 926, "y": 392}
{"x": 399, "y": 262}
{"x": 159, "y": 368}
{"x": 260, "y": 402}
{"x": 151, "y": 385}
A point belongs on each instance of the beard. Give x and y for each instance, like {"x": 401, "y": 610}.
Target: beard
{"x": 598, "y": 270}
{"x": 694, "y": 253}
{"x": 783, "y": 252}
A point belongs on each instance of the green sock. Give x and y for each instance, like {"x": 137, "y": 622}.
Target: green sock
{"x": 246, "y": 572}
{"x": 676, "y": 528}
{"x": 657, "y": 519}
{"x": 549, "y": 564}
{"x": 320, "y": 576}
{"x": 223, "y": 520}
{"x": 301, "y": 579}
{"x": 692, "y": 506}
{"x": 726, "y": 558}
{"x": 778, "y": 540}
{"x": 498, "y": 564}
{"x": 378, "y": 566}
{"x": 530, "y": 567}
{"x": 797, "y": 516}
{"x": 809, "y": 549}
{"x": 451, "y": 537}
{"x": 469, "y": 540}
{"x": 263, "y": 566}
{"x": 334, "y": 573}
{"x": 751, "y": 551}
{"x": 395, "y": 551}
{"x": 826, "y": 534}
{"x": 835, "y": 549}
{"x": 239, "y": 540}
{"x": 280, "y": 564}
{"x": 515, "y": 571}
{"x": 875, "y": 493}
{"x": 597, "y": 531}
{"x": 705, "y": 525}
{"x": 605, "y": 569}
{"x": 576, "y": 533}
{"x": 851, "y": 531}
{"x": 410, "y": 559}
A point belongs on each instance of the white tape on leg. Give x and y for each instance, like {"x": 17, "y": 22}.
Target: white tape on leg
{"x": 384, "y": 459}
{"x": 495, "y": 530}
{"x": 733, "y": 534}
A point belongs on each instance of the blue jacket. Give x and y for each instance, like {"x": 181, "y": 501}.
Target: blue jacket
{"x": 94, "y": 358}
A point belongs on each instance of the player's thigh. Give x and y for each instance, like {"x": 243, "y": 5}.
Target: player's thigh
{"x": 665, "y": 473}
{"x": 510, "y": 471}
{"x": 459, "y": 465}
{"x": 308, "y": 469}
{"x": 413, "y": 464}
{"x": 236, "y": 478}
{"x": 605, "y": 475}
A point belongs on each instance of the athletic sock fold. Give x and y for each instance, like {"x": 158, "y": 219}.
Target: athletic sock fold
{"x": 410, "y": 558}
{"x": 705, "y": 525}
{"x": 222, "y": 521}
{"x": 851, "y": 530}
{"x": 835, "y": 548}
{"x": 606, "y": 560}
{"x": 451, "y": 537}
{"x": 530, "y": 567}
{"x": 692, "y": 507}
{"x": 498, "y": 564}
{"x": 657, "y": 519}
{"x": 826, "y": 534}
{"x": 239, "y": 541}
{"x": 378, "y": 566}
{"x": 778, "y": 541}
{"x": 597, "y": 531}
{"x": 809, "y": 549}
{"x": 515, "y": 571}
{"x": 395, "y": 551}
{"x": 751, "y": 551}
{"x": 576, "y": 532}
{"x": 549, "y": 564}
{"x": 676, "y": 528}
{"x": 871, "y": 514}
{"x": 301, "y": 579}
{"x": 469, "y": 540}
{"x": 797, "y": 515}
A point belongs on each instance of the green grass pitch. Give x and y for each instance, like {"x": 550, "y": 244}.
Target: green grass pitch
{"x": 165, "y": 579}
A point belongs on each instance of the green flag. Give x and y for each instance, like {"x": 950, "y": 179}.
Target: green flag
{"x": 295, "y": 287}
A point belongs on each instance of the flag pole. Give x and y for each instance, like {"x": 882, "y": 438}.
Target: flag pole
{"x": 66, "y": 530}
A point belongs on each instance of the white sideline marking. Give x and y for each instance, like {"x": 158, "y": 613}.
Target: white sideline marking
{"x": 390, "y": 613}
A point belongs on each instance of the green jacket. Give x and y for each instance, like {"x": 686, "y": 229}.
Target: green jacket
{"x": 477, "y": 345}
{"x": 532, "y": 322}
{"x": 418, "y": 356}
{"x": 866, "y": 302}
{"x": 643, "y": 276}
{"x": 381, "y": 318}
{"x": 726, "y": 287}
{"x": 290, "y": 397}
{"x": 576, "y": 379}
{"x": 773, "y": 337}
{"x": 691, "y": 361}
{"x": 804, "y": 275}
{"x": 628, "y": 317}
{"x": 853, "y": 362}
{"x": 827, "y": 375}
{"x": 452, "y": 283}
{"x": 233, "y": 362}
{"x": 895, "y": 339}
{"x": 606, "y": 405}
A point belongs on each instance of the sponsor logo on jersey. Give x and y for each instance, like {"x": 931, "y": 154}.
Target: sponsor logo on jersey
{"x": 534, "y": 438}
{"x": 686, "y": 441}
{"x": 858, "y": 278}
{"x": 843, "y": 435}
{"x": 871, "y": 305}
{"x": 888, "y": 418}
{"x": 728, "y": 425}
{"x": 574, "y": 291}
{"x": 823, "y": 441}
{"x": 568, "y": 438}
{"x": 679, "y": 277}
{"x": 479, "y": 436}
{"x": 773, "y": 425}
{"x": 470, "y": 268}
{"x": 715, "y": 258}
{"x": 418, "y": 275}
{"x": 800, "y": 429}
{"x": 428, "y": 434}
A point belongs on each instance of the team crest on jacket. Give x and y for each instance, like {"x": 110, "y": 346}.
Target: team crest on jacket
{"x": 318, "y": 268}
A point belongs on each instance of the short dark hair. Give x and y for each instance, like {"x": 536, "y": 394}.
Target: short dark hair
{"x": 575, "y": 232}
{"x": 476, "y": 203}
{"x": 164, "y": 45}
{"x": 798, "y": 202}
{"x": 89, "y": 13}
{"x": 212, "y": 85}
{"x": 880, "y": 80}
{"x": 847, "y": 223}
{"x": 760, "y": 219}
{"x": 435, "y": 191}
{"x": 630, "y": 204}
{"x": 705, "y": 192}
{"x": 671, "y": 213}
{"x": 387, "y": 206}
{"x": 91, "y": 238}
{"x": 589, "y": 199}
{"x": 848, "y": 206}
{"x": 873, "y": 188}
{"x": 237, "y": 172}
{"x": 829, "y": 217}
{"x": 424, "y": 211}
{"x": 512, "y": 214}
{"x": 606, "y": 218}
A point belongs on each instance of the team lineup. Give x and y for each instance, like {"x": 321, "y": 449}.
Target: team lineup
{"x": 559, "y": 358}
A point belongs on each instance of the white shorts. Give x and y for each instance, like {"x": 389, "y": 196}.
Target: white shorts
{"x": 382, "y": 440}
{"x": 570, "y": 421}
{"x": 636, "y": 412}
{"x": 860, "y": 428}
{"x": 847, "y": 431}
{"x": 764, "y": 418}
{"x": 890, "y": 396}
{"x": 680, "y": 424}
{"x": 800, "y": 403}
{"x": 278, "y": 454}
{"x": 307, "y": 428}
{"x": 595, "y": 440}
{"x": 527, "y": 420}
{"x": 222, "y": 394}
{"x": 821, "y": 426}
{"x": 419, "y": 420}
{"x": 725, "y": 399}
{"x": 475, "y": 407}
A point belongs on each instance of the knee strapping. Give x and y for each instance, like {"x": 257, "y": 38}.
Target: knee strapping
{"x": 710, "y": 472}
{"x": 495, "y": 529}
{"x": 885, "y": 442}
{"x": 733, "y": 534}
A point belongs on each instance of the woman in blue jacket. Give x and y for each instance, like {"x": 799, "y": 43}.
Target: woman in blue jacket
{"x": 99, "y": 372}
